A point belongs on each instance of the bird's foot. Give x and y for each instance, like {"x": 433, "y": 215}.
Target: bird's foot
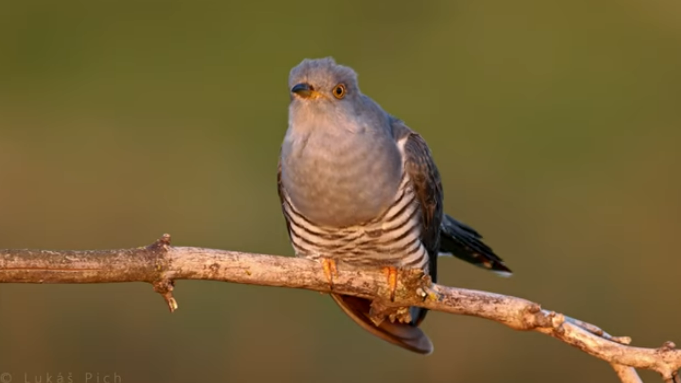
{"x": 329, "y": 266}
{"x": 426, "y": 290}
{"x": 391, "y": 274}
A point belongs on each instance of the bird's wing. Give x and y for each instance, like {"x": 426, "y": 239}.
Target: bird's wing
{"x": 280, "y": 192}
{"x": 442, "y": 234}
{"x": 425, "y": 179}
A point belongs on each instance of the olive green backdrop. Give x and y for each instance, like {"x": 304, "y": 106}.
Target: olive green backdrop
{"x": 556, "y": 126}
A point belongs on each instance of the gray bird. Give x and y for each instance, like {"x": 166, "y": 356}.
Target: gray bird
{"x": 357, "y": 185}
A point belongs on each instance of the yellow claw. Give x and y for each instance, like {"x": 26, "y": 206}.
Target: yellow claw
{"x": 329, "y": 266}
{"x": 391, "y": 273}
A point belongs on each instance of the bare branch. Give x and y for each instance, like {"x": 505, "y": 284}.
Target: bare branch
{"x": 160, "y": 265}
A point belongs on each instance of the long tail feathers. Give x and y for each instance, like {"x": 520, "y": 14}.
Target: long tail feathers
{"x": 404, "y": 335}
{"x": 463, "y": 242}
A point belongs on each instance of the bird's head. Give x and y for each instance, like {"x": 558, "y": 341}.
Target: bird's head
{"x": 325, "y": 97}
{"x": 322, "y": 82}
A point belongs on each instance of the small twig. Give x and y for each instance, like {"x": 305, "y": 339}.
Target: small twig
{"x": 626, "y": 374}
{"x": 161, "y": 265}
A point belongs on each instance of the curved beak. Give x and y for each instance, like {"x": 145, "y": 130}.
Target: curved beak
{"x": 303, "y": 90}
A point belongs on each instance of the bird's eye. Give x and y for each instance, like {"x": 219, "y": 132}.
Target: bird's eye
{"x": 339, "y": 91}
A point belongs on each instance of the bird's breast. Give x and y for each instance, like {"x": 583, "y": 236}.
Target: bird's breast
{"x": 391, "y": 239}
{"x": 341, "y": 180}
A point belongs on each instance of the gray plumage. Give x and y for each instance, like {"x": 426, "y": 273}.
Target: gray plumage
{"x": 357, "y": 185}
{"x": 345, "y": 144}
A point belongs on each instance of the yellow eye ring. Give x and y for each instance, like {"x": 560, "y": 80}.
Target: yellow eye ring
{"x": 339, "y": 91}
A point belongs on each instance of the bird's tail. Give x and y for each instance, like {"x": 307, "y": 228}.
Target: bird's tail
{"x": 405, "y": 335}
{"x": 463, "y": 242}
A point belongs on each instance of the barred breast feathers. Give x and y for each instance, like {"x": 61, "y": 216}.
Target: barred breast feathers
{"x": 391, "y": 239}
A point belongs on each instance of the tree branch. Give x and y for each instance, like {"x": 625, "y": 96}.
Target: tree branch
{"x": 160, "y": 265}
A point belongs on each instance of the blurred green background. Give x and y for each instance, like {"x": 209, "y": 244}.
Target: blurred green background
{"x": 556, "y": 126}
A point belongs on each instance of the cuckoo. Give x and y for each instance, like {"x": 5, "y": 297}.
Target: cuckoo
{"x": 357, "y": 185}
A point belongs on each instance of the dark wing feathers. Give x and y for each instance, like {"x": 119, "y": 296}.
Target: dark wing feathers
{"x": 441, "y": 232}
{"x": 463, "y": 242}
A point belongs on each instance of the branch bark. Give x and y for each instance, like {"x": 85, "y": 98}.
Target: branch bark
{"x": 161, "y": 264}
